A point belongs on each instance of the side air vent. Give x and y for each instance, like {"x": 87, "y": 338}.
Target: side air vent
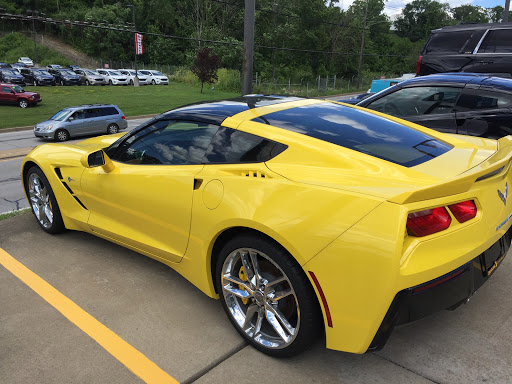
{"x": 255, "y": 174}
{"x": 58, "y": 172}
{"x": 79, "y": 202}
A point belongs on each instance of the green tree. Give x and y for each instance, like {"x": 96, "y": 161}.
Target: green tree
{"x": 495, "y": 14}
{"x": 420, "y": 17}
{"x": 470, "y": 13}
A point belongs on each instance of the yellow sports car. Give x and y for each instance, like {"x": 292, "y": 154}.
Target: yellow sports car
{"x": 306, "y": 217}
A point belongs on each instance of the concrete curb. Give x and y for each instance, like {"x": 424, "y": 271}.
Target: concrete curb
{"x": 29, "y": 128}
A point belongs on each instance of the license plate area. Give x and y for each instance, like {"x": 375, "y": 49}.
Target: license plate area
{"x": 491, "y": 258}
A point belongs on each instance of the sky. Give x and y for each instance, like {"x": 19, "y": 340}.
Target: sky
{"x": 394, "y": 7}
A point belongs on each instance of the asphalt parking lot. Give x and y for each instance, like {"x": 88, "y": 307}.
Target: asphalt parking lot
{"x": 162, "y": 329}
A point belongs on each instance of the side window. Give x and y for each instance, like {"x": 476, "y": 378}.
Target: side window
{"x": 78, "y": 115}
{"x": 7, "y": 90}
{"x": 167, "y": 142}
{"x": 92, "y": 112}
{"x": 232, "y": 146}
{"x": 497, "y": 41}
{"x": 108, "y": 111}
{"x": 462, "y": 42}
{"x": 418, "y": 101}
{"x": 478, "y": 99}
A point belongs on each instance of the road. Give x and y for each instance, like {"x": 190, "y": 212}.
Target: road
{"x": 13, "y": 148}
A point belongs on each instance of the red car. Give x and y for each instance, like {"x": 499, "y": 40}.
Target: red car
{"x": 14, "y": 94}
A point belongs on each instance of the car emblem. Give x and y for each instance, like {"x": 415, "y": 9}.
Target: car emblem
{"x": 70, "y": 180}
{"x": 503, "y": 196}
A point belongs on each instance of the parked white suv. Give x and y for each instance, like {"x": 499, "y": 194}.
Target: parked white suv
{"x": 27, "y": 61}
{"x": 155, "y": 77}
{"x": 113, "y": 77}
{"x": 130, "y": 74}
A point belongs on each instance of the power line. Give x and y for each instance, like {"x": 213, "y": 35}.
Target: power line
{"x": 126, "y": 28}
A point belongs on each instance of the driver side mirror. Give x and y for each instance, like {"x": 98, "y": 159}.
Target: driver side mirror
{"x": 97, "y": 159}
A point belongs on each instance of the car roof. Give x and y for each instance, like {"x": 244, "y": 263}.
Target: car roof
{"x": 217, "y": 111}
{"x": 445, "y": 78}
{"x": 473, "y": 26}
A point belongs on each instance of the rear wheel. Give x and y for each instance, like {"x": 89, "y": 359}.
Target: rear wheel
{"x": 23, "y": 103}
{"x": 112, "y": 128}
{"x": 62, "y": 135}
{"x": 267, "y": 296}
{"x": 43, "y": 202}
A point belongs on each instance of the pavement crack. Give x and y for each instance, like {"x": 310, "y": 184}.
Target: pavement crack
{"x": 407, "y": 369}
{"x": 214, "y": 364}
{"x": 17, "y": 202}
{"x": 10, "y": 179}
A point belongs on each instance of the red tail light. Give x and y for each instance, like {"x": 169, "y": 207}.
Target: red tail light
{"x": 418, "y": 65}
{"x": 123, "y": 118}
{"x": 429, "y": 221}
{"x": 463, "y": 211}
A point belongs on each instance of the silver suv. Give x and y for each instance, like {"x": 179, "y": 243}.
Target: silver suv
{"x": 82, "y": 120}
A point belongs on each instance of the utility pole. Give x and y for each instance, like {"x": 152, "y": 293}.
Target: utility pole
{"x": 362, "y": 47}
{"x": 136, "y": 78}
{"x": 34, "y": 13}
{"x": 247, "y": 67}
{"x": 505, "y": 12}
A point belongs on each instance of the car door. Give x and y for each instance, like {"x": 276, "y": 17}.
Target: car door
{"x": 146, "y": 201}
{"x": 8, "y": 96}
{"x": 77, "y": 124}
{"x": 484, "y": 112}
{"x": 494, "y": 55}
{"x": 430, "y": 106}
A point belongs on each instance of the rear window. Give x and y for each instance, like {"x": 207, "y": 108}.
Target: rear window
{"x": 462, "y": 42}
{"x": 107, "y": 111}
{"x": 360, "y": 131}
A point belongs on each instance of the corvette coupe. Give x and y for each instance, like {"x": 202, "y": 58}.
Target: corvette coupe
{"x": 305, "y": 217}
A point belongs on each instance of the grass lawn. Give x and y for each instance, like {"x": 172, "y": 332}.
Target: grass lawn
{"x": 8, "y": 215}
{"x": 133, "y": 101}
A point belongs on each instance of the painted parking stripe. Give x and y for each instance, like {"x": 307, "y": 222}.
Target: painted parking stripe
{"x": 130, "y": 357}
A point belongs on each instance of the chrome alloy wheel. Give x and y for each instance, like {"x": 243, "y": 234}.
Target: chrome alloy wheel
{"x": 40, "y": 201}
{"x": 260, "y": 298}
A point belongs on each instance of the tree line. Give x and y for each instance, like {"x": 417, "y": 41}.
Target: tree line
{"x": 298, "y": 39}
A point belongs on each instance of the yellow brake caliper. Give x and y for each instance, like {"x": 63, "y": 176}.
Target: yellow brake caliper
{"x": 242, "y": 276}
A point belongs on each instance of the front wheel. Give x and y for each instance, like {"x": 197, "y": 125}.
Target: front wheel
{"x": 23, "y": 103}
{"x": 153, "y": 82}
{"x": 43, "y": 202}
{"x": 112, "y": 129}
{"x": 62, "y": 135}
{"x": 267, "y": 296}
{"x": 87, "y": 82}
{"x": 35, "y": 83}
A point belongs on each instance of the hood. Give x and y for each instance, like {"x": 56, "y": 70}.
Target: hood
{"x": 98, "y": 142}
{"x": 30, "y": 94}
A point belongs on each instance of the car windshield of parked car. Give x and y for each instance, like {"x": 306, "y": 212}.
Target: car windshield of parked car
{"x": 68, "y": 73}
{"x": 18, "y": 89}
{"x": 41, "y": 72}
{"x": 92, "y": 73}
{"x": 10, "y": 72}
{"x": 25, "y": 59}
{"x": 145, "y": 72}
{"x": 158, "y": 73}
{"x": 116, "y": 73}
{"x": 360, "y": 131}
{"x": 61, "y": 115}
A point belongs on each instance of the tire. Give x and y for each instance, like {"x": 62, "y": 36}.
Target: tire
{"x": 62, "y": 82}
{"x": 87, "y": 82}
{"x": 23, "y": 103}
{"x": 153, "y": 82}
{"x": 43, "y": 202}
{"x": 35, "y": 83}
{"x": 131, "y": 82}
{"x": 61, "y": 135}
{"x": 112, "y": 129}
{"x": 110, "y": 82}
{"x": 296, "y": 315}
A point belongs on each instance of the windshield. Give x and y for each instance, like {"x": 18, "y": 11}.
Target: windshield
{"x": 18, "y": 89}
{"x": 68, "y": 73}
{"x": 25, "y": 59}
{"x": 158, "y": 73}
{"x": 115, "y": 73}
{"x": 41, "y": 72}
{"x": 92, "y": 73}
{"x": 61, "y": 115}
{"x": 10, "y": 71}
{"x": 145, "y": 72}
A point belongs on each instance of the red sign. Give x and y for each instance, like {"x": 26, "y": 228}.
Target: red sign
{"x": 138, "y": 44}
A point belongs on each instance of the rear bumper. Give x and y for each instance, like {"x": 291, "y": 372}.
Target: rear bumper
{"x": 446, "y": 292}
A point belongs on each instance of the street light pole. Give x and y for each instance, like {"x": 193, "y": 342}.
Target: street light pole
{"x": 362, "y": 47}
{"x": 136, "y": 78}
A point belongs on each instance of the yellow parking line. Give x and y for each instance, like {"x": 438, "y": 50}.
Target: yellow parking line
{"x": 134, "y": 360}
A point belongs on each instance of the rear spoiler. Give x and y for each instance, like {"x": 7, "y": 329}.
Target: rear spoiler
{"x": 494, "y": 165}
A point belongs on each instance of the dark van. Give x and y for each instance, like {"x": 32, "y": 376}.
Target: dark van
{"x": 480, "y": 48}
